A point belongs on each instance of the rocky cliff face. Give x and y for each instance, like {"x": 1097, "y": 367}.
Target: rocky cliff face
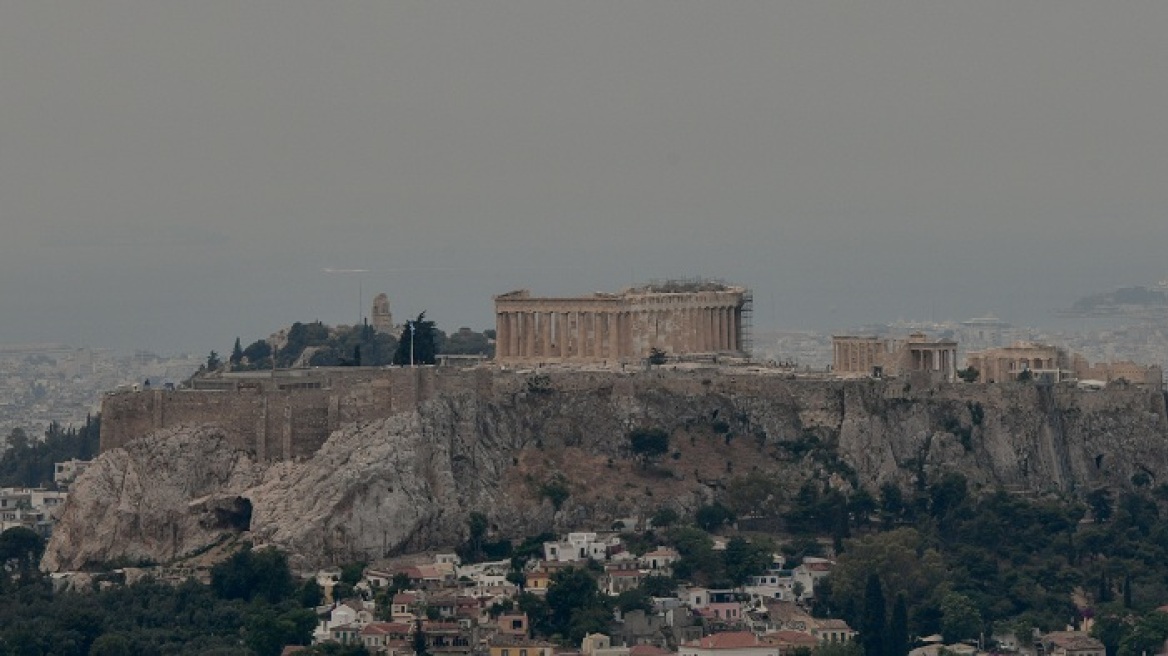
{"x": 408, "y": 482}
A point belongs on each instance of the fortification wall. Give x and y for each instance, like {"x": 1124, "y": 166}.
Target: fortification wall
{"x": 289, "y": 418}
{"x": 283, "y": 417}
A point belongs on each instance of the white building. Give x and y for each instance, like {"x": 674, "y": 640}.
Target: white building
{"x": 31, "y": 508}
{"x": 579, "y": 546}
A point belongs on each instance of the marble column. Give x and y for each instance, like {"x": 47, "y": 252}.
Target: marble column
{"x": 513, "y": 333}
{"x": 562, "y": 334}
{"x": 500, "y": 335}
{"x": 528, "y": 334}
{"x": 734, "y": 343}
{"x": 545, "y": 335}
{"x": 590, "y": 334}
{"x": 723, "y": 330}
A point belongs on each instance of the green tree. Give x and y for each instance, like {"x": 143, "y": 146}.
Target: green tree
{"x": 1100, "y": 502}
{"x": 472, "y": 549}
{"x": 960, "y": 618}
{"x": 311, "y": 594}
{"x": 743, "y": 559}
{"x": 665, "y": 517}
{"x": 902, "y": 559}
{"x": 572, "y": 591}
{"x": 696, "y": 549}
{"x": 213, "y": 361}
{"x": 635, "y": 599}
{"x": 1110, "y": 626}
{"x": 20, "y": 552}
{"x": 892, "y": 506}
{"x": 30, "y": 463}
{"x": 649, "y": 444}
{"x": 556, "y": 490}
{"x": 714, "y": 516}
{"x": 588, "y": 619}
{"x": 352, "y": 573}
{"x": 756, "y": 493}
{"x": 873, "y": 630}
{"x": 898, "y": 643}
{"x": 1147, "y": 637}
{"x": 659, "y": 586}
{"x": 236, "y": 354}
{"x": 249, "y": 574}
{"x": 112, "y": 644}
{"x": 418, "y": 343}
{"x": 258, "y": 354}
{"x": 267, "y": 630}
{"x": 421, "y": 645}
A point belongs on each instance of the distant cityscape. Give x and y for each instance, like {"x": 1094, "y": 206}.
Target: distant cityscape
{"x": 1143, "y": 342}
{"x": 45, "y": 383}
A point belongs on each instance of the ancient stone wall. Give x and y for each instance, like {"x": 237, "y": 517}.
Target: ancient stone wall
{"x": 287, "y": 416}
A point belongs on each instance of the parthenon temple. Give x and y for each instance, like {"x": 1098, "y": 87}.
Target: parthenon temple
{"x": 676, "y": 318}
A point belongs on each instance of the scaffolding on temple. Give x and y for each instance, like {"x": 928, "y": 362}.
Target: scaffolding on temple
{"x": 745, "y": 338}
{"x": 695, "y": 284}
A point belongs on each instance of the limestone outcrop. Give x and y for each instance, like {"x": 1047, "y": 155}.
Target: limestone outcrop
{"x": 153, "y": 501}
{"x": 409, "y": 481}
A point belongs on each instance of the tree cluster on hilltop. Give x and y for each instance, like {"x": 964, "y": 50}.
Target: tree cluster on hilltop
{"x": 355, "y": 346}
{"x": 29, "y": 463}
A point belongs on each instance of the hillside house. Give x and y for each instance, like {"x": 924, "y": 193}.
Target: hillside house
{"x": 1070, "y": 643}
{"x": 581, "y": 546}
{"x": 730, "y": 643}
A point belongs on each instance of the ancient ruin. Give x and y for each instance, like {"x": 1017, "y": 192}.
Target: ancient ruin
{"x": 673, "y": 318}
{"x": 1054, "y": 364}
{"x": 878, "y": 357}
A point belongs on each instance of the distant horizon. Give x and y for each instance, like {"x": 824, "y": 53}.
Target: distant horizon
{"x": 1052, "y": 323}
{"x": 176, "y": 175}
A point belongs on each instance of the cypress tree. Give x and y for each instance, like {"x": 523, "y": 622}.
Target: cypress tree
{"x": 898, "y": 628}
{"x": 873, "y": 628}
{"x": 420, "y": 639}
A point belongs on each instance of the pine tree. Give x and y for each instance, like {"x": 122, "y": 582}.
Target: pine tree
{"x": 417, "y": 344}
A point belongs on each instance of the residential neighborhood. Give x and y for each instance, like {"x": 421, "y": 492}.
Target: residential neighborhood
{"x": 451, "y": 608}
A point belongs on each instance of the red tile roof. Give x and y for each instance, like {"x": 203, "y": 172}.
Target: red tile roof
{"x": 795, "y": 638}
{"x": 726, "y": 640}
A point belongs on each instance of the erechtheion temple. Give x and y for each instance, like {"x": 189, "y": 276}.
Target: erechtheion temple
{"x": 675, "y": 318}
{"x": 875, "y": 356}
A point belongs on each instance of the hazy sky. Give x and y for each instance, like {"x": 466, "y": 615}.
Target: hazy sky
{"x": 175, "y": 174}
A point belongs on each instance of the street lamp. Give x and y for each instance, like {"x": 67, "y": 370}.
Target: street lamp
{"x": 410, "y": 324}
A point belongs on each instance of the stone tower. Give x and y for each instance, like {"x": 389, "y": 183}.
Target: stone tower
{"x": 382, "y": 318}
